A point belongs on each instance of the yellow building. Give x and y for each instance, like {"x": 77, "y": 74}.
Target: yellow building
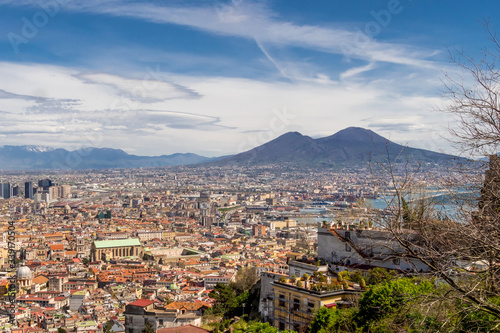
{"x": 294, "y": 307}
{"x": 273, "y": 225}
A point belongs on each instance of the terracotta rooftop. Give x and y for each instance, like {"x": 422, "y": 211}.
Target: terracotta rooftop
{"x": 142, "y": 303}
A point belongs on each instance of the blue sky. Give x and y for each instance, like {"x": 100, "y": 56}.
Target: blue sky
{"x": 219, "y": 77}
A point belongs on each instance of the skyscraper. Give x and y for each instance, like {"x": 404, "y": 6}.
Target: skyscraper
{"x": 45, "y": 184}
{"x": 6, "y": 190}
{"x": 28, "y": 190}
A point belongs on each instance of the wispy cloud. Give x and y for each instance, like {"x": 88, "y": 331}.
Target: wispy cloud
{"x": 9, "y": 95}
{"x": 150, "y": 90}
{"x": 357, "y": 70}
{"x": 256, "y": 22}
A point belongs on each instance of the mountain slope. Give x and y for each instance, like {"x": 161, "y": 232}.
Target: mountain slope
{"x": 29, "y": 158}
{"x": 352, "y": 146}
{"x": 291, "y": 146}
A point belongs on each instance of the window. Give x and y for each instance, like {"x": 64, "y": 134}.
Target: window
{"x": 282, "y": 300}
{"x": 347, "y": 235}
{"x": 347, "y": 247}
{"x": 395, "y": 261}
{"x": 296, "y": 304}
{"x": 282, "y": 326}
{"x": 297, "y": 273}
{"x": 161, "y": 322}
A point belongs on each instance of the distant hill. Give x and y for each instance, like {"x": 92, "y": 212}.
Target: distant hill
{"x": 39, "y": 157}
{"x": 351, "y": 147}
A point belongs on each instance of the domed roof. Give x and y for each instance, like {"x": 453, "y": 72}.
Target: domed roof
{"x": 23, "y": 272}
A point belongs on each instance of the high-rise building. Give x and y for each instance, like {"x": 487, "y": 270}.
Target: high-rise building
{"x": 65, "y": 191}
{"x": 5, "y": 190}
{"x": 28, "y": 190}
{"x": 45, "y": 184}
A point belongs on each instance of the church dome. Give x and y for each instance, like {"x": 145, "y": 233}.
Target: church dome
{"x": 23, "y": 272}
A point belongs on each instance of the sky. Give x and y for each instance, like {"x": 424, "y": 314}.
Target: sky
{"x": 219, "y": 77}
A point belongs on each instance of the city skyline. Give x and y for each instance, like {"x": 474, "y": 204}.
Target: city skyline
{"x": 221, "y": 77}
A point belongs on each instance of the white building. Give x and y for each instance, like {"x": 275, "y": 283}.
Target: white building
{"x": 212, "y": 280}
{"x": 346, "y": 247}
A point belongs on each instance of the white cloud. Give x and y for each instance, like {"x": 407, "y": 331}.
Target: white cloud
{"x": 357, "y": 70}
{"x": 59, "y": 106}
{"x": 253, "y": 21}
{"x": 152, "y": 88}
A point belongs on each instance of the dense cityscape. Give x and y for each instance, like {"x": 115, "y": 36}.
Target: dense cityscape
{"x": 235, "y": 166}
{"x": 105, "y": 247}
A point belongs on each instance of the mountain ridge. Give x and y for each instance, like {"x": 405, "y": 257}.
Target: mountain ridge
{"x": 350, "y": 147}
{"x": 20, "y": 158}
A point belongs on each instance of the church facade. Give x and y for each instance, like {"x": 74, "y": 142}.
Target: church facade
{"x": 118, "y": 248}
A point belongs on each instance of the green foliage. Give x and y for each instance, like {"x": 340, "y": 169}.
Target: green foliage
{"x": 379, "y": 275}
{"x": 221, "y": 326}
{"x": 393, "y": 306}
{"x": 256, "y": 327}
{"x": 61, "y": 330}
{"x": 228, "y": 302}
{"x": 355, "y": 276}
{"x": 406, "y": 210}
{"x": 323, "y": 321}
{"x": 386, "y": 298}
{"x": 225, "y": 299}
{"x": 326, "y": 287}
{"x": 472, "y": 319}
{"x": 299, "y": 284}
{"x": 344, "y": 275}
{"x": 414, "y": 213}
{"x": 333, "y": 320}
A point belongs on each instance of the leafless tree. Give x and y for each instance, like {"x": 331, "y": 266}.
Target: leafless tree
{"x": 474, "y": 97}
{"x": 462, "y": 251}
